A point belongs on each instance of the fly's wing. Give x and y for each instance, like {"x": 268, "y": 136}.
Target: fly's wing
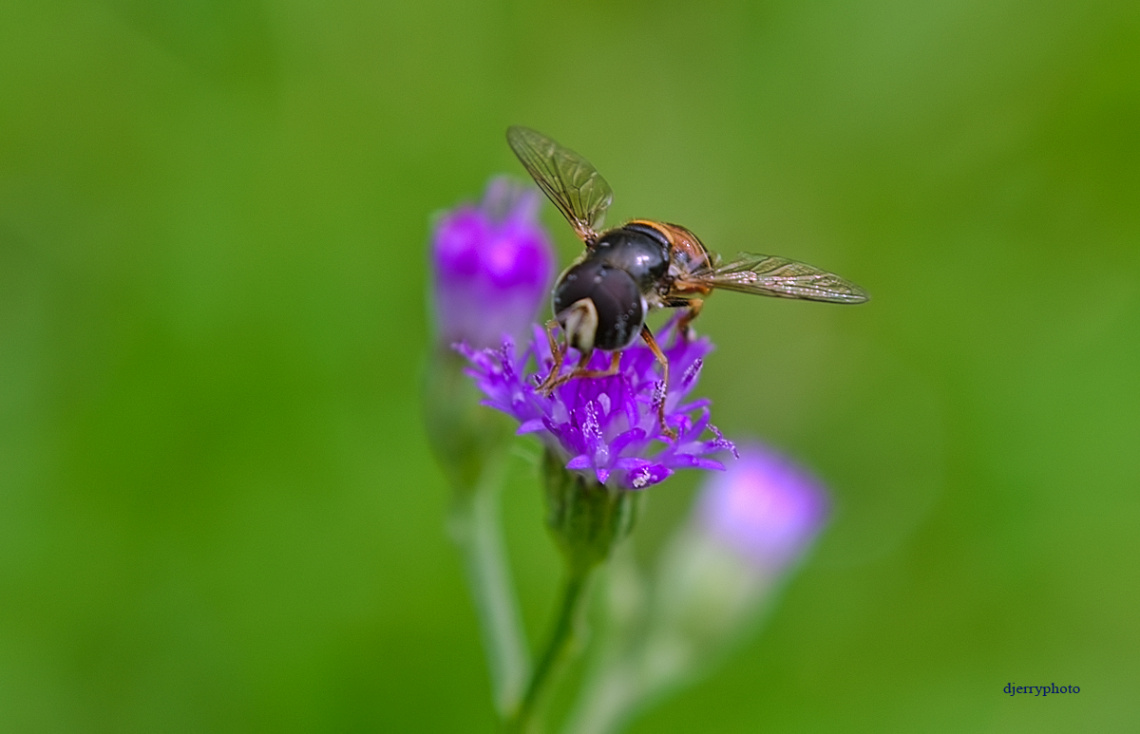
{"x": 767, "y": 275}
{"x": 575, "y": 187}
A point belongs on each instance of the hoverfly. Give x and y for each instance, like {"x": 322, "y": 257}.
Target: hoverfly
{"x": 601, "y": 300}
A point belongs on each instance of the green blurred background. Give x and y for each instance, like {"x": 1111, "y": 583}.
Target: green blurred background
{"x": 217, "y": 506}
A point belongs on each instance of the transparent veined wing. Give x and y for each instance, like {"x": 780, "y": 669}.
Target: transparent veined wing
{"x": 575, "y": 186}
{"x": 767, "y": 275}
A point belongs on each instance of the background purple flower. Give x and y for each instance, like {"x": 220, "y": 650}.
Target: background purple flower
{"x": 715, "y": 578}
{"x": 491, "y": 266}
{"x": 607, "y": 427}
{"x": 765, "y": 507}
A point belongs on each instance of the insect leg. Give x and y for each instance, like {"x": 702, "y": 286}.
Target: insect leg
{"x": 683, "y": 329}
{"x": 613, "y": 369}
{"x": 558, "y": 352}
{"x": 687, "y": 294}
{"x": 579, "y": 372}
{"x": 647, "y": 335}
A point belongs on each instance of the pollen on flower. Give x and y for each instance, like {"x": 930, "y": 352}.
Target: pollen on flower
{"x": 658, "y": 393}
{"x": 691, "y": 374}
{"x": 607, "y": 427}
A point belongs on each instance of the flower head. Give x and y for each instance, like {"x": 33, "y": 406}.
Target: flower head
{"x": 765, "y": 507}
{"x": 607, "y": 427}
{"x": 491, "y": 267}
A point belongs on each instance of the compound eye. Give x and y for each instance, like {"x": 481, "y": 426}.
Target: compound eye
{"x": 621, "y": 311}
{"x": 617, "y": 307}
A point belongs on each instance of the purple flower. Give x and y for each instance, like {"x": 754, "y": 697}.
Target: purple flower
{"x": 764, "y": 507}
{"x": 491, "y": 267}
{"x": 607, "y": 427}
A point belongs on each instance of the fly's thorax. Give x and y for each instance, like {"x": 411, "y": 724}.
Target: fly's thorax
{"x": 640, "y": 250}
{"x": 599, "y": 306}
{"x": 687, "y": 254}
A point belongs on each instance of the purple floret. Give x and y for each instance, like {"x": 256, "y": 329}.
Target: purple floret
{"x": 607, "y": 427}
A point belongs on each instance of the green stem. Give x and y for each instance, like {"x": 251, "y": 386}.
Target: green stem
{"x": 566, "y": 630}
{"x": 475, "y": 529}
{"x": 607, "y": 702}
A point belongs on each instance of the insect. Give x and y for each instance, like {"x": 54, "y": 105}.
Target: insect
{"x": 602, "y": 299}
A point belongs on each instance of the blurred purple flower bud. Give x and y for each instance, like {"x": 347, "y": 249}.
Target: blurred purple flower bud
{"x": 491, "y": 267}
{"x": 765, "y": 507}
